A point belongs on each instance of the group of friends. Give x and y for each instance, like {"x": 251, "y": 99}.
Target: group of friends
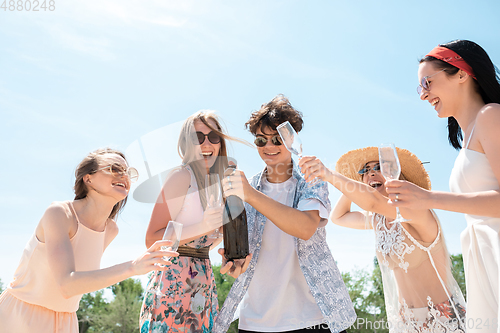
{"x": 289, "y": 282}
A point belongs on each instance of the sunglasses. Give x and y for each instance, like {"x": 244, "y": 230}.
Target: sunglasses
{"x": 117, "y": 170}
{"x": 425, "y": 84}
{"x": 212, "y": 136}
{"x": 261, "y": 141}
{"x": 367, "y": 169}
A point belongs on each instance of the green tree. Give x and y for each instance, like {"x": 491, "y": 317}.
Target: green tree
{"x": 122, "y": 314}
{"x": 92, "y": 305}
{"x": 1, "y": 286}
{"x": 224, "y": 283}
{"x": 457, "y": 268}
{"x": 367, "y": 295}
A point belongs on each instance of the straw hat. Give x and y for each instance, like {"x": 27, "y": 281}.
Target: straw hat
{"x": 411, "y": 167}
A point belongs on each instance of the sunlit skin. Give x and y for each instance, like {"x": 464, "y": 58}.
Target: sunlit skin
{"x": 278, "y": 159}
{"x": 207, "y": 150}
{"x": 451, "y": 95}
{"x": 458, "y": 97}
{"x": 374, "y": 178}
{"x": 440, "y": 96}
{"x": 58, "y": 226}
{"x": 104, "y": 183}
{"x": 172, "y": 197}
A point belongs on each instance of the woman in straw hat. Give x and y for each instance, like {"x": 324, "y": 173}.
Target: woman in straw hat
{"x": 459, "y": 80}
{"x": 420, "y": 292}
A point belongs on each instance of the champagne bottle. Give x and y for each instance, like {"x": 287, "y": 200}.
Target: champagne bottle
{"x": 235, "y": 228}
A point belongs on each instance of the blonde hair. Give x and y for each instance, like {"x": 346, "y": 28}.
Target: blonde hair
{"x": 188, "y": 140}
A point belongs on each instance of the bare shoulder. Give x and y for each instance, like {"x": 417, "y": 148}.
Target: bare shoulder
{"x": 487, "y": 125}
{"x": 57, "y": 218}
{"x": 111, "y": 232}
{"x": 58, "y": 211}
{"x": 178, "y": 176}
{"x": 489, "y": 115}
{"x": 177, "y": 182}
{"x": 112, "y": 227}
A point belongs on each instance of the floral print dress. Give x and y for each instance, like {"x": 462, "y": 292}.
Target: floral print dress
{"x": 188, "y": 301}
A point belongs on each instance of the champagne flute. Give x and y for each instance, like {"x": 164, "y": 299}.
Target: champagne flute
{"x": 292, "y": 142}
{"x": 172, "y": 233}
{"x": 213, "y": 193}
{"x": 390, "y": 169}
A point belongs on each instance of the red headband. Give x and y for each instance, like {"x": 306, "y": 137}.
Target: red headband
{"x": 451, "y": 57}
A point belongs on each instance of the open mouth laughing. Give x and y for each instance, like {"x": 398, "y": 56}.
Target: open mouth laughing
{"x": 375, "y": 183}
{"x": 120, "y": 184}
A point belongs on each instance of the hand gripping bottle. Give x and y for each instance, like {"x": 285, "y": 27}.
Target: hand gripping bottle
{"x": 235, "y": 228}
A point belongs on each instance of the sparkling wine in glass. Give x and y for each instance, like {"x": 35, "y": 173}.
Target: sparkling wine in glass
{"x": 172, "y": 233}
{"x": 292, "y": 142}
{"x": 213, "y": 193}
{"x": 390, "y": 169}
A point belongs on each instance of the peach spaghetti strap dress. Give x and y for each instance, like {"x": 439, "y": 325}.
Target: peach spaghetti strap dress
{"x": 33, "y": 301}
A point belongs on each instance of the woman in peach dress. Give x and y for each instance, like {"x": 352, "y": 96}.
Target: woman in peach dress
{"x": 61, "y": 260}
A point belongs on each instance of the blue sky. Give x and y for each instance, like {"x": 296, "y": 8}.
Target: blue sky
{"x": 105, "y": 73}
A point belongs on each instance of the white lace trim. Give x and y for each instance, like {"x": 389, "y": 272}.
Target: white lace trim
{"x": 391, "y": 241}
{"x": 424, "y": 320}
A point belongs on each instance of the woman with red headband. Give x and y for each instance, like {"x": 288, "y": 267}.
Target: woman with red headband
{"x": 460, "y": 81}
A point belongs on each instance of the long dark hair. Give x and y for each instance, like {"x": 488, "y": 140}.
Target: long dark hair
{"x": 88, "y": 166}
{"x": 487, "y": 82}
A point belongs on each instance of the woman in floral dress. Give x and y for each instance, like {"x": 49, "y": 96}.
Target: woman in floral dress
{"x": 186, "y": 298}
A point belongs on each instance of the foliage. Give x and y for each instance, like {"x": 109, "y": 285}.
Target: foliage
{"x": 224, "y": 283}
{"x": 367, "y": 295}
{"x": 121, "y": 315}
{"x": 1, "y": 286}
{"x": 457, "y": 268}
{"x": 91, "y": 307}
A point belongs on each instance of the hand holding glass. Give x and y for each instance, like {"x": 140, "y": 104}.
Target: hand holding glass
{"x": 213, "y": 193}
{"x": 172, "y": 233}
{"x": 292, "y": 142}
{"x": 390, "y": 169}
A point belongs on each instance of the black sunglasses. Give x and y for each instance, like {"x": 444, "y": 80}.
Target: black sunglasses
{"x": 261, "y": 141}
{"x": 366, "y": 169}
{"x": 212, "y": 136}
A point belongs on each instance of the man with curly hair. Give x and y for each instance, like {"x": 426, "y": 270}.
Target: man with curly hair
{"x": 292, "y": 283}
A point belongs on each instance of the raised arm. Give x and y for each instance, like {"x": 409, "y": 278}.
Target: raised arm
{"x": 367, "y": 197}
{"x": 300, "y": 224}
{"x": 486, "y": 203}
{"x": 56, "y": 225}
{"x": 342, "y": 215}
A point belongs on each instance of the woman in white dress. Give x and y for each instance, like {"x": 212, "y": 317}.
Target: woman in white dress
{"x": 420, "y": 292}
{"x": 460, "y": 81}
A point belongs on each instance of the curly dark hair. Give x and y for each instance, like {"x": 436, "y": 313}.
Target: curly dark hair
{"x": 273, "y": 113}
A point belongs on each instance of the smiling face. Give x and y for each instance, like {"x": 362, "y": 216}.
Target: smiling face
{"x": 105, "y": 182}
{"x": 374, "y": 178}
{"x": 444, "y": 90}
{"x": 207, "y": 151}
{"x": 273, "y": 156}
